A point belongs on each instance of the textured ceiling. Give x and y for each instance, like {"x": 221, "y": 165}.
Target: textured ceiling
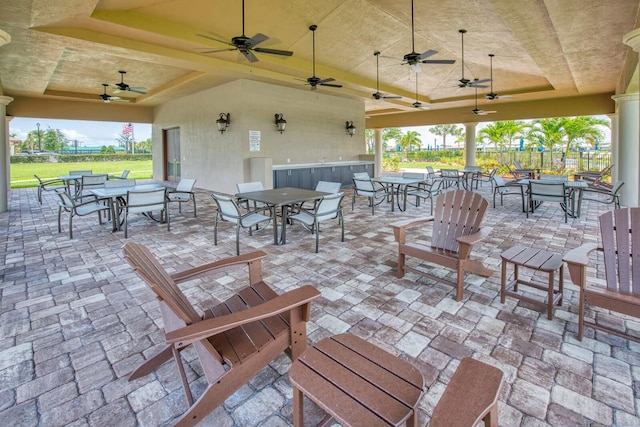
{"x": 544, "y": 49}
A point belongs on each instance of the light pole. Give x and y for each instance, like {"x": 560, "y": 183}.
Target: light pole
{"x": 39, "y": 140}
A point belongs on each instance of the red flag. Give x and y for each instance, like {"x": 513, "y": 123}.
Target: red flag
{"x": 128, "y": 128}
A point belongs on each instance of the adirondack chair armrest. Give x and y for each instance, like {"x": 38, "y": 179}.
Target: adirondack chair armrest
{"x": 280, "y": 304}
{"x": 400, "y": 227}
{"x": 577, "y": 260}
{"x": 199, "y": 271}
{"x": 474, "y": 238}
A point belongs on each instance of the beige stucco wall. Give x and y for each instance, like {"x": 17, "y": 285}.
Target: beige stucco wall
{"x": 315, "y": 130}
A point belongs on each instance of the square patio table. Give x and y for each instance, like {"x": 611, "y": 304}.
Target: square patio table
{"x": 283, "y": 198}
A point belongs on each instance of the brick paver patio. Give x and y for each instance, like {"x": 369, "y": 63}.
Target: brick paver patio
{"x": 75, "y": 320}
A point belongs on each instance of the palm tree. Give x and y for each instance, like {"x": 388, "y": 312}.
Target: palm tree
{"x": 444, "y": 130}
{"x": 390, "y": 133}
{"x": 512, "y": 130}
{"x": 493, "y": 134}
{"x": 412, "y": 137}
{"x": 548, "y": 132}
{"x": 583, "y": 128}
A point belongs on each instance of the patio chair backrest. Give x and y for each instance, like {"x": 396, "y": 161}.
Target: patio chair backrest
{"x": 247, "y": 187}
{"x": 457, "y": 213}
{"x": 93, "y": 181}
{"x": 498, "y": 180}
{"x": 65, "y": 200}
{"x": 620, "y": 246}
{"x": 146, "y": 201}
{"x": 450, "y": 173}
{"x": 362, "y": 181}
{"x": 557, "y": 178}
{"x": 227, "y": 207}
{"x": 329, "y": 207}
{"x": 186, "y": 185}
{"x": 78, "y": 173}
{"x": 413, "y": 175}
{"x": 114, "y": 183}
{"x": 328, "y": 187}
{"x": 124, "y": 174}
{"x": 547, "y": 191}
{"x": 155, "y": 276}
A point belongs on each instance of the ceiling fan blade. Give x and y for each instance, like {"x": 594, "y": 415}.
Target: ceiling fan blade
{"x": 330, "y": 85}
{"x": 327, "y": 80}
{"x": 137, "y": 91}
{"x": 257, "y": 39}
{"x": 426, "y": 54}
{"x": 479, "y": 82}
{"x": 116, "y": 99}
{"x": 273, "y": 51}
{"x": 218, "y": 50}
{"x": 249, "y": 55}
{"x": 391, "y": 57}
{"x": 391, "y": 97}
{"x": 438, "y": 61}
{"x": 215, "y": 39}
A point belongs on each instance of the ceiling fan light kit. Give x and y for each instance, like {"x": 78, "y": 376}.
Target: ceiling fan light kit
{"x": 108, "y": 98}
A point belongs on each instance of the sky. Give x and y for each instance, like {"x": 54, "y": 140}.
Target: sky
{"x": 88, "y": 134}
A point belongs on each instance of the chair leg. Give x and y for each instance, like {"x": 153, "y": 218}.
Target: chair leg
{"x": 401, "y": 257}
{"x": 238, "y": 237}
{"x": 581, "y": 316}
{"x": 194, "y": 206}
{"x": 71, "y": 225}
{"x": 491, "y": 419}
{"x": 59, "y": 217}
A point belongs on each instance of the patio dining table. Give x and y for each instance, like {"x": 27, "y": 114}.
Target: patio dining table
{"x": 393, "y": 185}
{"x": 282, "y": 198}
{"x": 115, "y": 193}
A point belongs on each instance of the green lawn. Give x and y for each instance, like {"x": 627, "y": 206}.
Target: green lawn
{"x": 22, "y": 173}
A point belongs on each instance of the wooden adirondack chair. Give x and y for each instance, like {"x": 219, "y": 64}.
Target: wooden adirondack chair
{"x": 233, "y": 340}
{"x": 620, "y": 238}
{"x": 456, "y": 228}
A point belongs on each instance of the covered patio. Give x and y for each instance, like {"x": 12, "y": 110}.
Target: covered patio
{"x": 76, "y": 320}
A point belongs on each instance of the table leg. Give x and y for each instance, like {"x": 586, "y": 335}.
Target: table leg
{"x": 550, "y": 300}
{"x": 298, "y": 401}
{"x": 285, "y": 211}
{"x": 503, "y": 280}
{"x": 274, "y": 216}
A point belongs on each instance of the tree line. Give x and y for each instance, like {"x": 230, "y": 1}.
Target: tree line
{"x": 564, "y": 133}
{"x": 55, "y": 141}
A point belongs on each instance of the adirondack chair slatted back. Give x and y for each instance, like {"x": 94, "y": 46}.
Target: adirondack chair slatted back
{"x": 146, "y": 266}
{"x": 457, "y": 213}
{"x": 621, "y": 248}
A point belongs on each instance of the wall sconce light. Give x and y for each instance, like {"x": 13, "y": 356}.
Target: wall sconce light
{"x": 223, "y": 122}
{"x": 351, "y": 129}
{"x": 281, "y": 123}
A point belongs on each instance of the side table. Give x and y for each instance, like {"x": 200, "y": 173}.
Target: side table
{"x": 356, "y": 383}
{"x": 538, "y": 260}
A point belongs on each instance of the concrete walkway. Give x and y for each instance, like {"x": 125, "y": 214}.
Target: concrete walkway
{"x": 75, "y": 320}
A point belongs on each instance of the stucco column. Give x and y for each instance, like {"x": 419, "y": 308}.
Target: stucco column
{"x": 631, "y": 39}
{"x": 4, "y": 139}
{"x": 4, "y": 150}
{"x": 378, "y": 150}
{"x": 614, "y": 145}
{"x": 470, "y": 144}
{"x": 628, "y": 147}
